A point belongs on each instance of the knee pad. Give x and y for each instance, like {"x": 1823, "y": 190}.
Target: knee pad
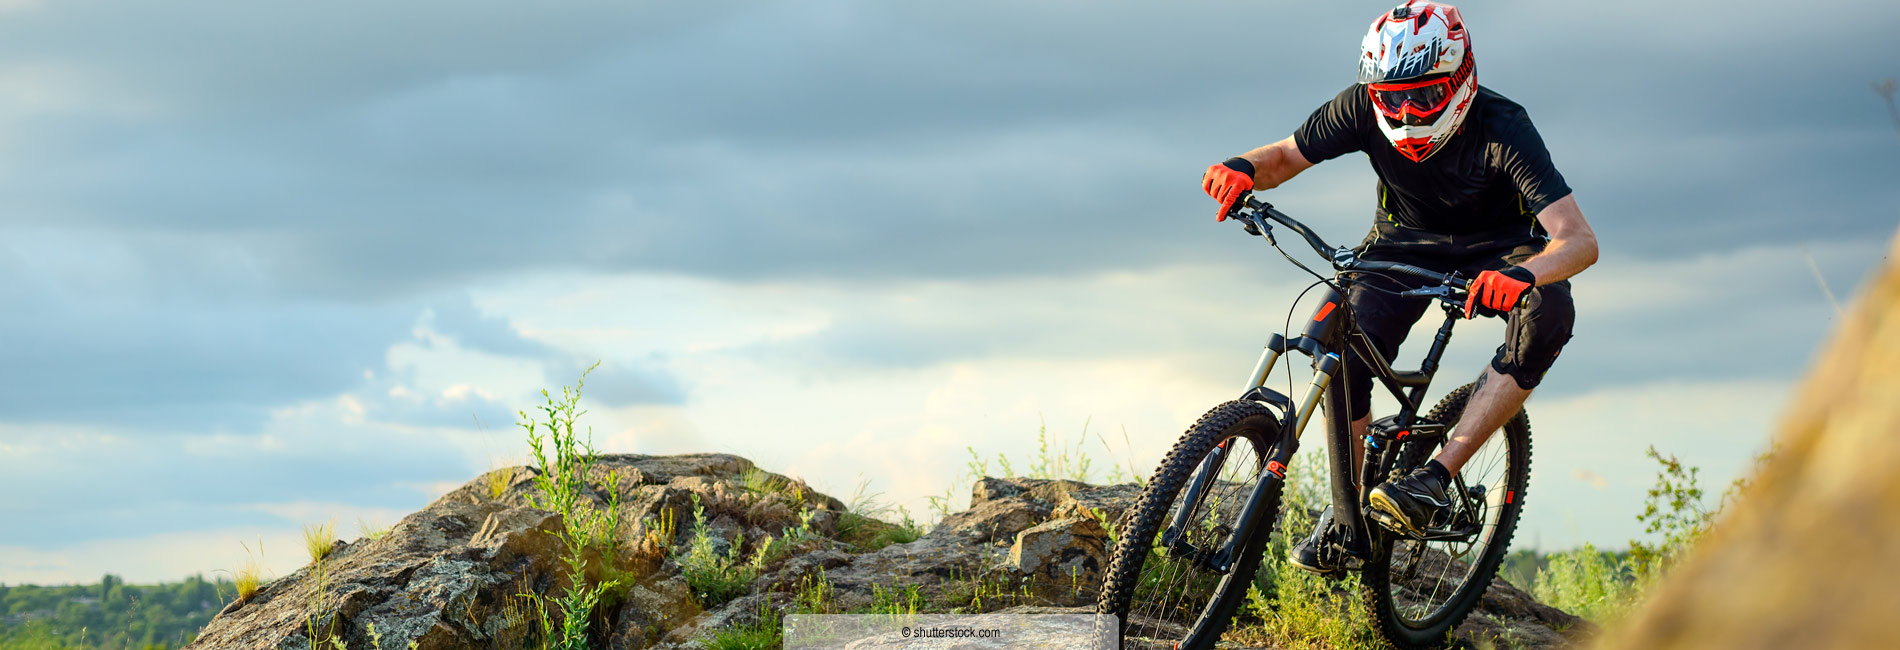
{"x": 1536, "y": 334}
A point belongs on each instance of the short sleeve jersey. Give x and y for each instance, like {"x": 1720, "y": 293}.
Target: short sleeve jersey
{"x": 1488, "y": 183}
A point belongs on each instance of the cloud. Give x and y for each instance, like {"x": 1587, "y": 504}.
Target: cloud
{"x": 256, "y": 253}
{"x": 846, "y": 139}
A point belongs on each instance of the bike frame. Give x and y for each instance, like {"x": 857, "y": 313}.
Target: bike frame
{"x": 1329, "y": 332}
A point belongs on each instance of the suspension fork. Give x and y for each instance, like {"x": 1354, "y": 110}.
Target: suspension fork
{"x": 1272, "y": 477}
{"x": 1209, "y": 469}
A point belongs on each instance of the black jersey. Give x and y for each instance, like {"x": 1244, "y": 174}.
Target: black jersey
{"x": 1482, "y": 190}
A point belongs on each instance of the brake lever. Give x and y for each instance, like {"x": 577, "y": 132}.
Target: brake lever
{"x": 1435, "y": 291}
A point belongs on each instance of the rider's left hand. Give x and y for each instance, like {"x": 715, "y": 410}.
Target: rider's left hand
{"x": 1498, "y": 290}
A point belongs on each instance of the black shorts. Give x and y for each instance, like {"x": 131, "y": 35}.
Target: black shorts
{"x": 1533, "y": 335}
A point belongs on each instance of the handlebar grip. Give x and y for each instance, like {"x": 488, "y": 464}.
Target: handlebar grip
{"x": 1239, "y": 202}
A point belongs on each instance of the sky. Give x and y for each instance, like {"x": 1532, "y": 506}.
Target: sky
{"x": 273, "y": 264}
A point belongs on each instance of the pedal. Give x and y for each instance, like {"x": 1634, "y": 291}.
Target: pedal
{"x": 1387, "y": 521}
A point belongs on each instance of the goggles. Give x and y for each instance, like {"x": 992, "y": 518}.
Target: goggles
{"x": 1416, "y": 103}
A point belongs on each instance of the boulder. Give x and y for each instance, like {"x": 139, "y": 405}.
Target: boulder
{"x": 1061, "y": 557}
{"x": 451, "y": 575}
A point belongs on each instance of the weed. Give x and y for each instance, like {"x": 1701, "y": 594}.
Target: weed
{"x": 371, "y": 531}
{"x": 247, "y": 579}
{"x": 895, "y": 602}
{"x": 1674, "y": 510}
{"x": 814, "y": 595}
{"x": 866, "y": 503}
{"x": 1117, "y": 474}
{"x": 319, "y": 540}
{"x": 1587, "y": 582}
{"x": 498, "y": 481}
{"x": 562, "y": 483}
{"x": 1601, "y": 586}
{"x": 764, "y": 633}
{"x": 905, "y": 531}
{"x": 763, "y": 483}
{"x": 1290, "y": 608}
{"x": 658, "y": 536}
{"x": 713, "y": 576}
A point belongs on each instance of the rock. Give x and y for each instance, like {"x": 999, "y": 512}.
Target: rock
{"x": 1807, "y": 557}
{"x": 450, "y": 576}
{"x": 995, "y": 520}
{"x": 652, "y": 609}
{"x": 1021, "y": 627}
{"x": 1062, "y": 556}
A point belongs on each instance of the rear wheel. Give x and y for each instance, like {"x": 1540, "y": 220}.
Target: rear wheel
{"x": 1177, "y": 597}
{"x": 1421, "y": 590}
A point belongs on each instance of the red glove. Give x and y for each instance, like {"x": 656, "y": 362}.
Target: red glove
{"x": 1226, "y": 182}
{"x": 1498, "y": 290}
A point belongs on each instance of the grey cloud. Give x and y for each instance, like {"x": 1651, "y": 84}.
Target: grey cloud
{"x": 91, "y": 336}
{"x": 141, "y": 485}
{"x": 844, "y": 139}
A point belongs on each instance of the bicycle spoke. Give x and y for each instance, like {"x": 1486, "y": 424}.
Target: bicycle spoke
{"x": 1172, "y": 591}
{"x": 1420, "y": 591}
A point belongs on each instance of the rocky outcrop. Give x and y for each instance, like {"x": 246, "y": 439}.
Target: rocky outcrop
{"x": 453, "y": 575}
{"x": 1810, "y": 555}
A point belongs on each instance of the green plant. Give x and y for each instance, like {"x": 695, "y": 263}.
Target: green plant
{"x": 1290, "y": 608}
{"x": 1675, "y": 510}
{"x": 498, "y": 481}
{"x": 907, "y": 601}
{"x": 713, "y": 576}
{"x": 765, "y": 632}
{"x": 764, "y": 483}
{"x": 319, "y": 540}
{"x": 247, "y": 580}
{"x": 905, "y": 531}
{"x": 1117, "y": 475}
{"x": 562, "y": 485}
{"x": 1587, "y": 582}
{"x": 371, "y": 531}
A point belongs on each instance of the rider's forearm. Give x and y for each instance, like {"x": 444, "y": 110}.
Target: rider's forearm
{"x": 1572, "y": 247}
{"x": 1276, "y": 163}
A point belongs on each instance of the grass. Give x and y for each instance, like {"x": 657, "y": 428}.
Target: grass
{"x": 1589, "y": 583}
{"x": 764, "y": 633}
{"x": 870, "y": 523}
{"x": 1603, "y": 586}
{"x": 1056, "y": 462}
{"x": 498, "y": 481}
{"x": 1290, "y": 608}
{"x": 319, "y": 540}
{"x": 247, "y": 580}
{"x": 370, "y": 531}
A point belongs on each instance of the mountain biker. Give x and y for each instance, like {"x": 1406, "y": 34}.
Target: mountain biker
{"x": 1465, "y": 185}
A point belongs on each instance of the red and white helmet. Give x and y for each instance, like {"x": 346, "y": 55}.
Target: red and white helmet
{"x": 1416, "y": 65}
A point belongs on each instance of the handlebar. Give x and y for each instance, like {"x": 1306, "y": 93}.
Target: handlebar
{"x": 1254, "y": 215}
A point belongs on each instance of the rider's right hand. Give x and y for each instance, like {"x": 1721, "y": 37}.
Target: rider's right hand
{"x": 1226, "y": 182}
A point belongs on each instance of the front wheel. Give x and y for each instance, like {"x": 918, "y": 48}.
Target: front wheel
{"x": 1179, "y": 595}
{"x": 1421, "y": 590}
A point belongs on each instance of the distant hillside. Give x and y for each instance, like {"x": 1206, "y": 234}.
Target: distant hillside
{"x": 109, "y": 614}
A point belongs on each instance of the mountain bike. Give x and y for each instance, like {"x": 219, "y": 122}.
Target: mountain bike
{"x": 1186, "y": 553}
